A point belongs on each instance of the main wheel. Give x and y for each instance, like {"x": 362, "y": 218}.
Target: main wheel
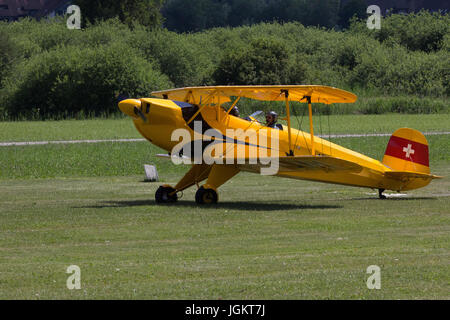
{"x": 206, "y": 196}
{"x": 165, "y": 194}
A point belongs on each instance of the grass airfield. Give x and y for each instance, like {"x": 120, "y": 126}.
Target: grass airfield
{"x": 268, "y": 238}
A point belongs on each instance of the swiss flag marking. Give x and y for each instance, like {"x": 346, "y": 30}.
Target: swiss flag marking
{"x": 408, "y": 150}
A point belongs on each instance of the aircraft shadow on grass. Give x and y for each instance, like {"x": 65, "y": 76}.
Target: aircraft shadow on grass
{"x": 395, "y": 199}
{"x": 244, "y": 206}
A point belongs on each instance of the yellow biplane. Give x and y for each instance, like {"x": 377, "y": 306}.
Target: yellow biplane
{"x": 229, "y": 144}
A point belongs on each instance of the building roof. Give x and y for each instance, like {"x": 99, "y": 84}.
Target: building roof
{"x": 14, "y": 9}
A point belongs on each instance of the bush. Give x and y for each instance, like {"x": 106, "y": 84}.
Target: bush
{"x": 70, "y": 80}
{"x": 264, "y": 61}
{"x": 7, "y": 54}
{"x": 183, "y": 61}
{"x": 50, "y": 71}
{"x": 423, "y": 31}
{"x": 394, "y": 71}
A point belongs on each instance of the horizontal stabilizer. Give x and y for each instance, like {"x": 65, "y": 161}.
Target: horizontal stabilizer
{"x": 182, "y": 159}
{"x": 407, "y": 175}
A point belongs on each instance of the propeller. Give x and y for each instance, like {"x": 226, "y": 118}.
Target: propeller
{"x": 132, "y": 108}
{"x": 257, "y": 113}
{"x": 139, "y": 113}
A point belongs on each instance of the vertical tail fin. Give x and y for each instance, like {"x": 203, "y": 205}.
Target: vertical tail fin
{"x": 407, "y": 150}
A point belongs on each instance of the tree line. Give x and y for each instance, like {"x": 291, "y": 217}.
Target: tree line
{"x": 198, "y": 15}
{"x": 49, "y": 71}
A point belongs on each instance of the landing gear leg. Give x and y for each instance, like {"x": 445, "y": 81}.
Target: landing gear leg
{"x": 380, "y": 194}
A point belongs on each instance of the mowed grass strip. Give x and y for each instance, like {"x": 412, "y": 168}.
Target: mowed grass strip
{"x": 122, "y": 159}
{"x": 124, "y": 128}
{"x": 93, "y": 129}
{"x": 102, "y": 159}
{"x": 268, "y": 238}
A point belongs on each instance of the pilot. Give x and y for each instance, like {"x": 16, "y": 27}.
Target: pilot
{"x": 271, "y": 120}
{"x": 235, "y": 112}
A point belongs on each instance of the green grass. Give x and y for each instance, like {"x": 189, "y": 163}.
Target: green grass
{"x": 268, "y": 238}
{"x": 385, "y": 123}
{"x": 68, "y": 130}
{"x": 85, "y": 160}
{"x": 124, "y": 128}
{"x": 122, "y": 159}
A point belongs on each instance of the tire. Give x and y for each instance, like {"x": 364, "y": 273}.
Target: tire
{"x": 206, "y": 196}
{"x": 162, "y": 195}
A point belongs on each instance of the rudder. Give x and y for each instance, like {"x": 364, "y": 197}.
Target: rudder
{"x": 407, "y": 150}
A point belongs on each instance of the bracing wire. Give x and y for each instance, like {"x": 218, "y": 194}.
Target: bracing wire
{"x": 329, "y": 131}
{"x": 299, "y": 125}
{"x": 300, "y": 128}
{"x": 320, "y": 125}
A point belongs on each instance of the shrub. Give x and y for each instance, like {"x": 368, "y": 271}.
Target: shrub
{"x": 394, "y": 71}
{"x": 264, "y": 61}
{"x": 183, "y": 61}
{"x": 69, "y": 80}
{"x": 7, "y": 53}
{"x": 423, "y": 31}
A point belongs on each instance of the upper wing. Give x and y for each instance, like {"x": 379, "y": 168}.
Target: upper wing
{"x": 318, "y": 94}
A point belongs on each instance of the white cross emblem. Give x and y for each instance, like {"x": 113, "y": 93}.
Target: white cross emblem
{"x": 409, "y": 151}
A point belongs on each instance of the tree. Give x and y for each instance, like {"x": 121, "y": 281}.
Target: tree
{"x": 7, "y": 54}
{"x": 145, "y": 12}
{"x": 264, "y": 61}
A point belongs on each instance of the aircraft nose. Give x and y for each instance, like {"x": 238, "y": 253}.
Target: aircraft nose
{"x": 129, "y": 107}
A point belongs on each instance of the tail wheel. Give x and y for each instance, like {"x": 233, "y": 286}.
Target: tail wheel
{"x": 380, "y": 194}
{"x": 206, "y": 196}
{"x": 165, "y": 194}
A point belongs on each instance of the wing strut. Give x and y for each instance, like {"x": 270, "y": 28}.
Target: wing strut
{"x": 201, "y": 107}
{"x": 288, "y": 114}
{"x": 313, "y": 149}
{"x": 233, "y": 105}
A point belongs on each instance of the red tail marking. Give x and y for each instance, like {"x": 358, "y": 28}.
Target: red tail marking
{"x": 408, "y": 150}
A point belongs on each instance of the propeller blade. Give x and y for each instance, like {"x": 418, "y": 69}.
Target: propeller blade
{"x": 139, "y": 113}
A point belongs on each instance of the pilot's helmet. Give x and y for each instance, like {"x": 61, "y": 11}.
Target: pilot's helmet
{"x": 272, "y": 114}
{"x": 235, "y": 111}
